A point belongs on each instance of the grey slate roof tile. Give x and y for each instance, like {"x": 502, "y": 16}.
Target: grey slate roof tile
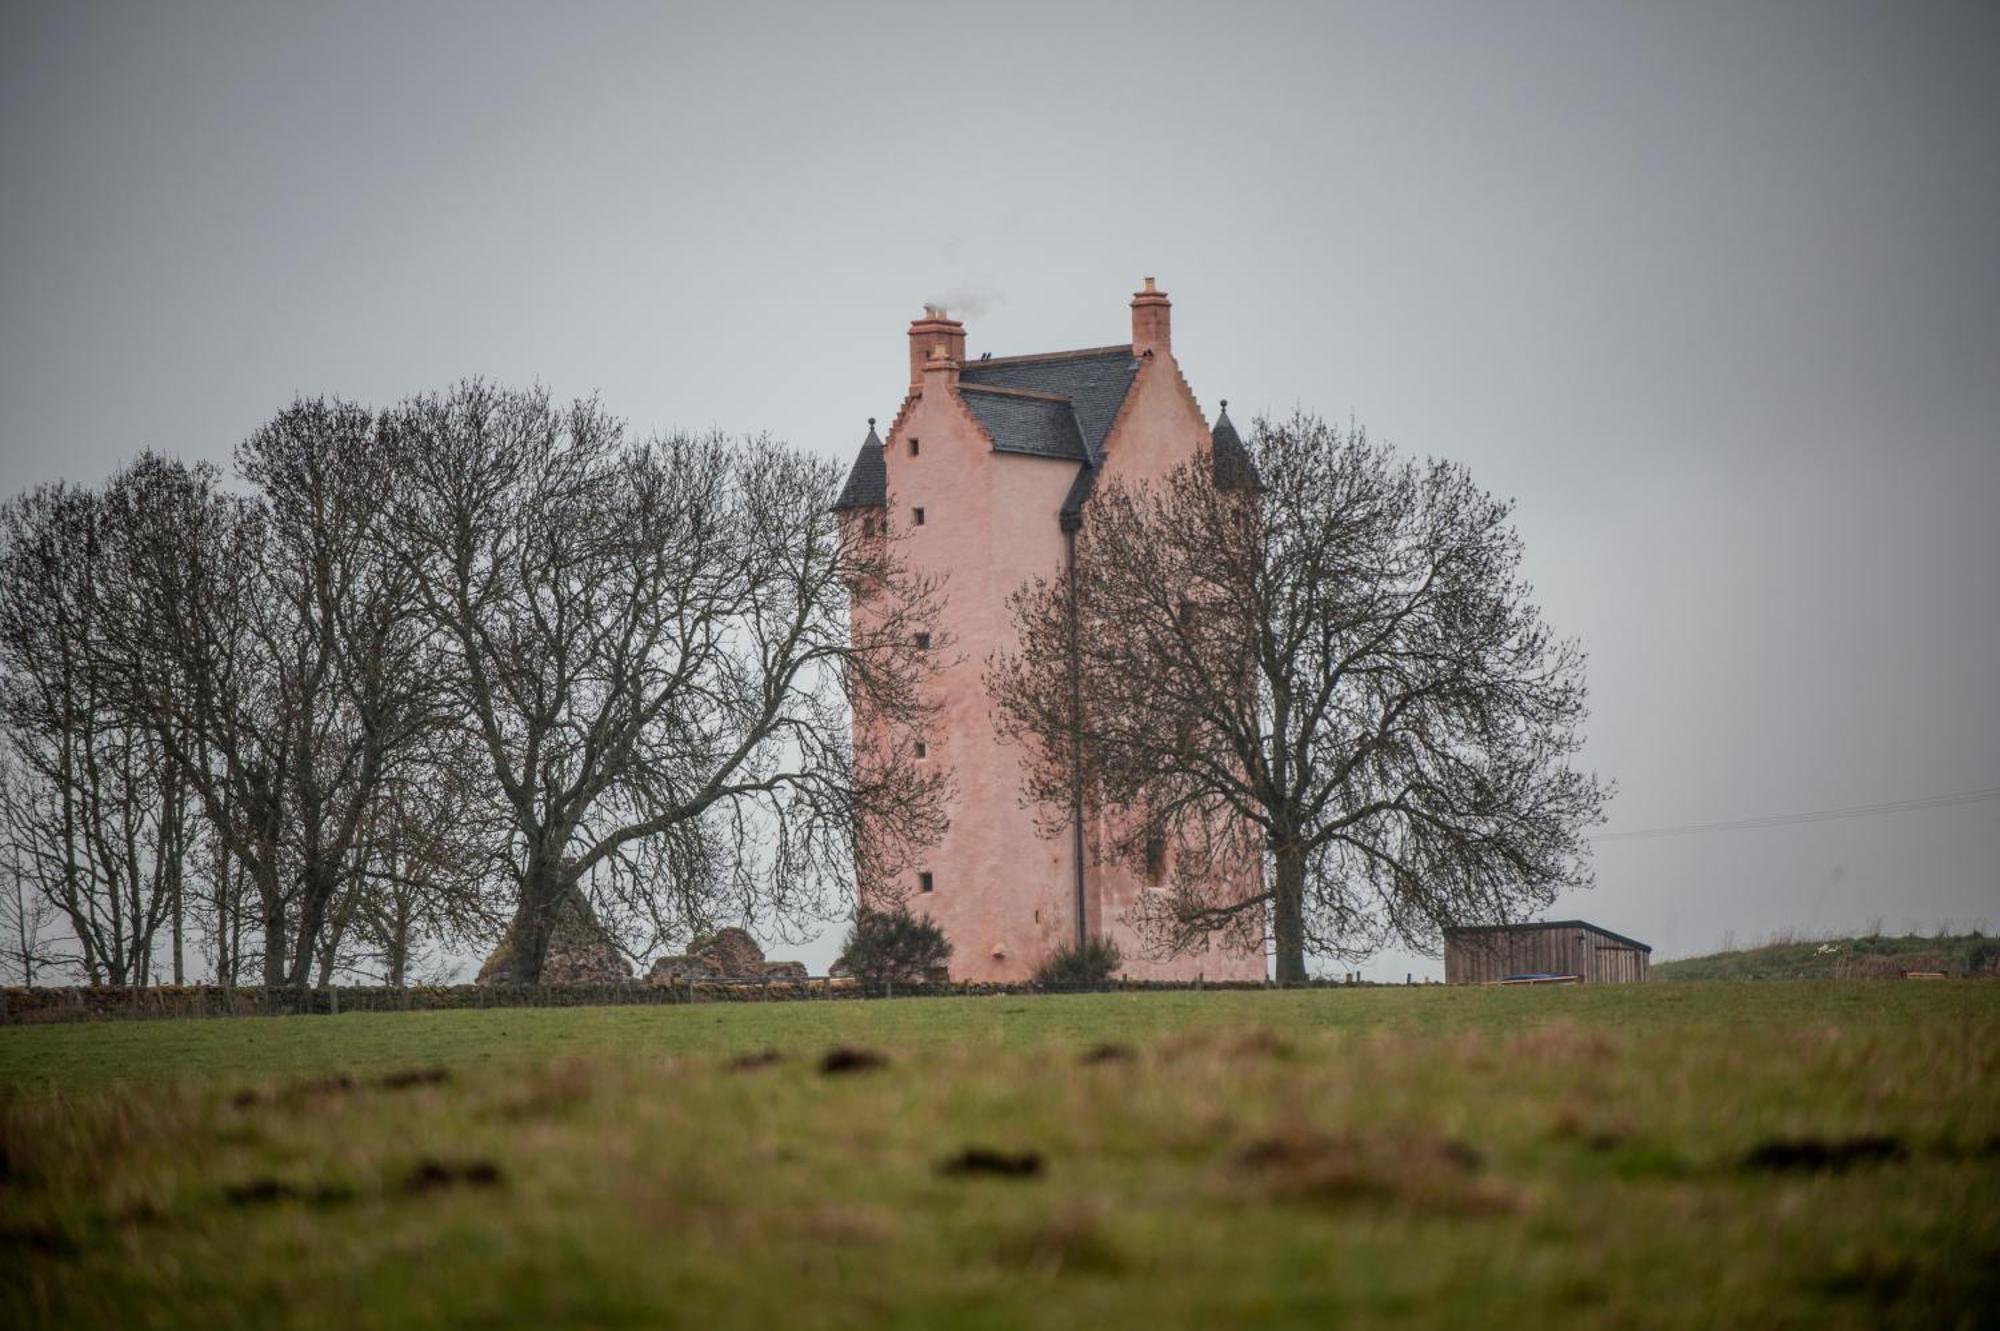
{"x": 1061, "y": 406}
{"x": 1233, "y": 468}
{"x": 1094, "y": 380}
{"x": 1070, "y": 516}
{"x": 1045, "y": 426}
{"x": 868, "y": 481}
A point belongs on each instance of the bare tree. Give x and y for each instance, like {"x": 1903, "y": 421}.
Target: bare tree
{"x": 95, "y": 816}
{"x": 275, "y": 643}
{"x": 184, "y": 645}
{"x": 1321, "y": 656}
{"x": 651, "y": 644}
{"x": 437, "y": 873}
{"x": 222, "y": 905}
{"x": 25, "y": 913}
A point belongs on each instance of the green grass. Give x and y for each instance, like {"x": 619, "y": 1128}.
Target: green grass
{"x": 1874, "y": 957}
{"x": 1441, "y": 1157}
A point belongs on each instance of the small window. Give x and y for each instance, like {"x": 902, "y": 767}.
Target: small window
{"x": 1038, "y": 917}
{"x": 868, "y": 525}
{"x": 919, "y": 515}
{"x": 923, "y": 642}
{"x": 915, "y": 448}
{"x": 924, "y": 883}
{"x": 1156, "y": 856}
{"x": 923, "y": 749}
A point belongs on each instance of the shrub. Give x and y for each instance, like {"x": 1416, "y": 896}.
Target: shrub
{"x": 894, "y": 947}
{"x": 1981, "y": 955}
{"x": 1080, "y": 966}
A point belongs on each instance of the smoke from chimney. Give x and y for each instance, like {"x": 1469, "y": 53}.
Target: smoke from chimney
{"x": 966, "y": 302}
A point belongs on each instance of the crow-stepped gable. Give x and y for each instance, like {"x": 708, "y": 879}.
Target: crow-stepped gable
{"x": 984, "y": 476}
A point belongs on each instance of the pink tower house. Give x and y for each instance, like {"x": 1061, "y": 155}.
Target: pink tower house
{"x": 984, "y": 474}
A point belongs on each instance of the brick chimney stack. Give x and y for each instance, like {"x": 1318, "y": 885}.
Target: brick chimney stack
{"x": 940, "y": 373}
{"x": 936, "y": 332}
{"x": 1150, "y": 321}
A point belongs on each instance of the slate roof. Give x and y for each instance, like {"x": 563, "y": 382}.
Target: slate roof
{"x": 1022, "y": 422}
{"x": 1095, "y": 380}
{"x": 1233, "y": 468}
{"x": 868, "y": 481}
{"x": 1059, "y": 405}
{"x": 1070, "y": 516}
{"x": 1233, "y": 471}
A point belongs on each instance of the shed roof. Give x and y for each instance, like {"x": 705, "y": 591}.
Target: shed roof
{"x": 1525, "y": 925}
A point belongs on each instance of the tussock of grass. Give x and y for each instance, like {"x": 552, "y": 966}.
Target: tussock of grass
{"x": 1655, "y": 1156}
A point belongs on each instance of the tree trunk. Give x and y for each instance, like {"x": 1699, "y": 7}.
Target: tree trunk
{"x": 236, "y": 923}
{"x": 274, "y": 926}
{"x": 173, "y": 837}
{"x": 227, "y": 921}
{"x": 320, "y": 882}
{"x": 1288, "y": 929}
{"x": 180, "y": 937}
{"x": 399, "y": 942}
{"x": 534, "y": 920}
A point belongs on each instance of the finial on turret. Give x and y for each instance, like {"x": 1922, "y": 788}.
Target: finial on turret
{"x": 871, "y": 419}
{"x": 1225, "y": 408}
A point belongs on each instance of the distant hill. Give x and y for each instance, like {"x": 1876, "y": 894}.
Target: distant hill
{"x": 1874, "y": 957}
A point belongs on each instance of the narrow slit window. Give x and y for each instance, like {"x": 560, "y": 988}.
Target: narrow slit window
{"x": 925, "y": 882}
{"x": 918, "y": 514}
{"x": 915, "y": 446}
{"x": 923, "y": 642}
{"x": 868, "y": 525}
{"x": 923, "y": 749}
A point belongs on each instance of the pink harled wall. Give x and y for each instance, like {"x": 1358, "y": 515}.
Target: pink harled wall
{"x": 1003, "y": 893}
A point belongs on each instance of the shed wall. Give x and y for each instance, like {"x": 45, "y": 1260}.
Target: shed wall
{"x": 1483, "y": 956}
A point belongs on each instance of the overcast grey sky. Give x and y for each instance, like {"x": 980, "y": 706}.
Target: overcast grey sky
{"x": 1712, "y": 290}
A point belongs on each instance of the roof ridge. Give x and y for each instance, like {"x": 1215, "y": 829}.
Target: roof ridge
{"x": 1547, "y": 924}
{"x": 1078, "y": 354}
{"x": 1037, "y": 394}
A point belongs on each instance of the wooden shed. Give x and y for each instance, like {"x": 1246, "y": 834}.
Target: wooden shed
{"x": 1486, "y": 953}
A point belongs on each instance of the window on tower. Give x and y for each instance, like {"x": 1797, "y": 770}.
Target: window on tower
{"x": 914, "y": 449}
{"x": 925, "y": 882}
{"x": 918, "y": 514}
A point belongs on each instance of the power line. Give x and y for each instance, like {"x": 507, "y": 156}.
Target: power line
{"x": 1813, "y": 816}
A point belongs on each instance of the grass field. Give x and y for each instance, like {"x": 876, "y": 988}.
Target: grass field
{"x": 1662, "y": 1155}
{"x": 1872, "y": 956}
